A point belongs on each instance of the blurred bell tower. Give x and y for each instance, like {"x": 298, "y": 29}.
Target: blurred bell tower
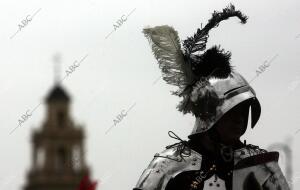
{"x": 58, "y": 161}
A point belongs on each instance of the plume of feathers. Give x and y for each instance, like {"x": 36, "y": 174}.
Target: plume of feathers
{"x": 189, "y": 70}
{"x": 166, "y": 48}
{"x": 198, "y": 41}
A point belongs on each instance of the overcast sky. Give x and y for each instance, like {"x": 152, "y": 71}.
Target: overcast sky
{"x": 119, "y": 72}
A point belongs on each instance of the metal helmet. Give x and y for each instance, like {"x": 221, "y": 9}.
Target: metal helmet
{"x": 206, "y": 81}
{"x": 232, "y": 91}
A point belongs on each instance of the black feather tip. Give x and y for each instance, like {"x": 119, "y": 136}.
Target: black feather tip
{"x": 198, "y": 41}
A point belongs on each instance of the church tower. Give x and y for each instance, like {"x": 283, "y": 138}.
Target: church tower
{"x": 58, "y": 161}
{"x": 57, "y": 148}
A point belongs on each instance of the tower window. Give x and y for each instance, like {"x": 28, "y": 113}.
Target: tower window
{"x": 61, "y": 159}
{"x": 40, "y": 158}
{"x": 76, "y": 158}
{"x": 61, "y": 119}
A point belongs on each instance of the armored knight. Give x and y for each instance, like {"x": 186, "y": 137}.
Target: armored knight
{"x": 220, "y": 99}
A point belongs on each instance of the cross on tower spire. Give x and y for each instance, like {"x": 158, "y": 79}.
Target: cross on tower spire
{"x": 57, "y": 67}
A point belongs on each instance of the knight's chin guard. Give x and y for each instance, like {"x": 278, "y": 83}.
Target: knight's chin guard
{"x": 210, "y": 89}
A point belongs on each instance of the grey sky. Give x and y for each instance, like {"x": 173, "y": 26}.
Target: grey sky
{"x": 120, "y": 70}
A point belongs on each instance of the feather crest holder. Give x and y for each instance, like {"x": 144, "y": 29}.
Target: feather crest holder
{"x": 190, "y": 67}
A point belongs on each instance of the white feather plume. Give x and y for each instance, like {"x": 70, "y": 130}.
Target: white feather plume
{"x": 166, "y": 48}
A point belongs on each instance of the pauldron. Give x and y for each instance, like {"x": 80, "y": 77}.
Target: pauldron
{"x": 167, "y": 165}
{"x": 179, "y": 158}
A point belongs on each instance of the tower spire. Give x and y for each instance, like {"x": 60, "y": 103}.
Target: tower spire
{"x": 57, "y": 67}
